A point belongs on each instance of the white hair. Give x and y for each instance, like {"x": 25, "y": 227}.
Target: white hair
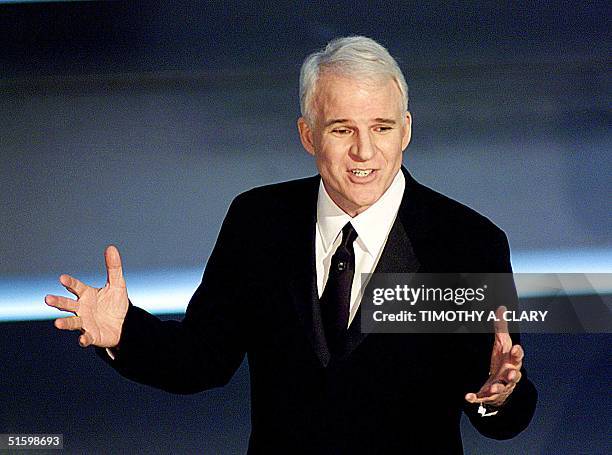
{"x": 353, "y": 56}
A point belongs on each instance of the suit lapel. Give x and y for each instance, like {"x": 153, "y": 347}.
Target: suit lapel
{"x": 397, "y": 257}
{"x": 303, "y": 281}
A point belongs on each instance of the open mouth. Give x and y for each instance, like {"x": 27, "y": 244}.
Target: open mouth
{"x": 361, "y": 172}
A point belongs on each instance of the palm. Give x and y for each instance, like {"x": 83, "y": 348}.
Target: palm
{"x": 102, "y": 312}
{"x": 99, "y": 313}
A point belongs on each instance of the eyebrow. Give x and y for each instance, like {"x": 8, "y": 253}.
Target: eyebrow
{"x": 334, "y": 121}
{"x": 388, "y": 121}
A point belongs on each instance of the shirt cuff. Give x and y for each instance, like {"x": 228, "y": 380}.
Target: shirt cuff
{"x": 110, "y": 353}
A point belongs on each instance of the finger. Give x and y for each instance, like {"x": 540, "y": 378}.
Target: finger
{"x": 517, "y": 354}
{"x": 474, "y": 398}
{"x": 513, "y": 376}
{"x": 114, "y": 270}
{"x": 494, "y": 389}
{"x": 489, "y": 388}
{"x": 71, "y": 323}
{"x": 73, "y": 285}
{"x": 492, "y": 392}
{"x": 470, "y": 397}
{"x": 62, "y": 303}
{"x": 489, "y": 399}
{"x": 85, "y": 339}
{"x": 505, "y": 374}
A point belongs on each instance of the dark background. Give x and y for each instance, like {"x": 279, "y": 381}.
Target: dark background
{"x": 137, "y": 123}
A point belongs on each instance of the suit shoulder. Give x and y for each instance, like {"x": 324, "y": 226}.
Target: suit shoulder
{"x": 277, "y": 198}
{"x": 452, "y": 236}
{"x": 279, "y": 193}
{"x": 449, "y": 214}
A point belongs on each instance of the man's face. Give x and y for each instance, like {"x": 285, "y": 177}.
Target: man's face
{"x": 357, "y": 137}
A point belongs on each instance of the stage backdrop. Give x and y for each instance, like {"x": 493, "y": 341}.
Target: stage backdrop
{"x": 137, "y": 125}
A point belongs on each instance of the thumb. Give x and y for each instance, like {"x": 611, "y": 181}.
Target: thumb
{"x": 500, "y": 324}
{"x": 114, "y": 270}
{"x": 502, "y": 335}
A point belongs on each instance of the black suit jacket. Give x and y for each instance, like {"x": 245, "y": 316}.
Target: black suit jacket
{"x": 386, "y": 393}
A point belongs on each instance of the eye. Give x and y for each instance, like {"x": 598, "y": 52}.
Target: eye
{"x": 382, "y": 129}
{"x": 342, "y": 131}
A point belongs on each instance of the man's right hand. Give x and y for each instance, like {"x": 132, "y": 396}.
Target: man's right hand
{"x": 99, "y": 313}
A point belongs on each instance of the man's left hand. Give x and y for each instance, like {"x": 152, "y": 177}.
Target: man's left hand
{"x": 505, "y": 370}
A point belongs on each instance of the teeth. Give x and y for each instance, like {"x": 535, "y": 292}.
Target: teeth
{"x": 361, "y": 172}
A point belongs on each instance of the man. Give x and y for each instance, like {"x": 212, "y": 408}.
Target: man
{"x": 280, "y": 288}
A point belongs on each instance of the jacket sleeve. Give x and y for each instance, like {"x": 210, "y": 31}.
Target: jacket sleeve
{"x": 204, "y": 349}
{"x": 516, "y": 413}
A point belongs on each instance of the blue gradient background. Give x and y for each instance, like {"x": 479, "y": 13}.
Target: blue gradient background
{"x": 137, "y": 125}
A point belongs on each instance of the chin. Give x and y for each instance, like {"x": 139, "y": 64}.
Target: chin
{"x": 363, "y": 203}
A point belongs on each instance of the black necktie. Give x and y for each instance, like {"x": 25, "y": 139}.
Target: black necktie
{"x": 336, "y": 298}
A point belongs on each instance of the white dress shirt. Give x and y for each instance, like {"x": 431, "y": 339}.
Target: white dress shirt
{"x": 372, "y": 225}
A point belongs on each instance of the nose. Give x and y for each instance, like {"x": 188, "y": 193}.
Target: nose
{"x": 363, "y": 149}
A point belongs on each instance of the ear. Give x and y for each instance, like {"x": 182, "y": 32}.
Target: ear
{"x": 407, "y": 131}
{"x": 306, "y": 135}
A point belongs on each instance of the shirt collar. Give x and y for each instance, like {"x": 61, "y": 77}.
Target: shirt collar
{"x": 372, "y": 225}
